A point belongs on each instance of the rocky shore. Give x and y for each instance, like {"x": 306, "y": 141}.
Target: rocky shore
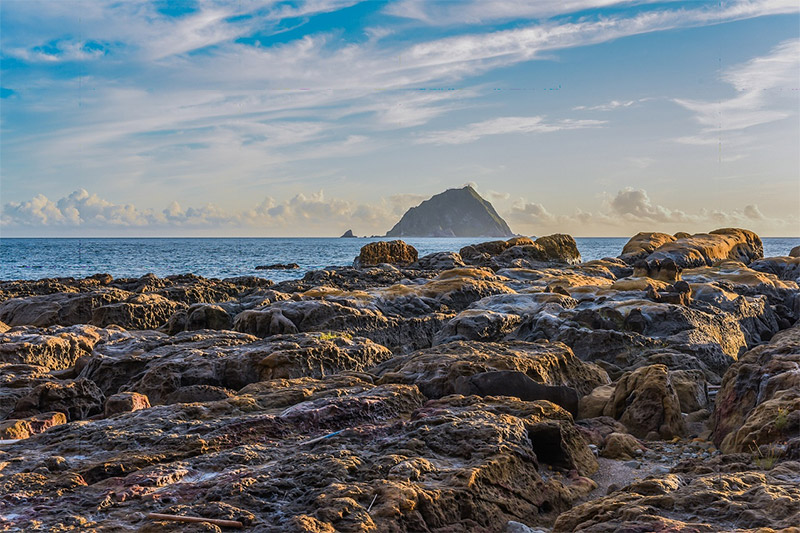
{"x": 507, "y": 387}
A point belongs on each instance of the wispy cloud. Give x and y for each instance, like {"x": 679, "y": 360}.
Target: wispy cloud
{"x": 505, "y": 125}
{"x": 759, "y": 83}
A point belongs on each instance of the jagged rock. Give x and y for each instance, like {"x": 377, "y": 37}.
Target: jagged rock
{"x": 348, "y": 235}
{"x": 326, "y": 315}
{"x": 453, "y": 213}
{"x": 758, "y": 402}
{"x": 477, "y": 324}
{"x": 56, "y": 348}
{"x": 78, "y": 399}
{"x": 560, "y": 248}
{"x": 646, "y": 403}
{"x": 440, "y": 261}
{"x": 279, "y": 266}
{"x": 198, "y": 394}
{"x": 643, "y": 244}
{"x": 17, "y": 380}
{"x": 125, "y": 402}
{"x": 436, "y": 370}
{"x": 142, "y": 311}
{"x": 66, "y": 309}
{"x": 785, "y": 268}
{"x": 199, "y": 316}
{"x": 742, "y": 500}
{"x": 391, "y": 252}
{"x": 24, "y": 428}
{"x": 161, "y": 367}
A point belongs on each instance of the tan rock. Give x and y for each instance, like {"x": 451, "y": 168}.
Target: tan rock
{"x": 643, "y": 244}
{"x": 125, "y": 402}
{"x": 24, "y": 428}
{"x": 621, "y": 446}
{"x": 593, "y": 404}
{"x": 757, "y": 402}
{"x": 391, "y": 252}
{"x": 645, "y": 401}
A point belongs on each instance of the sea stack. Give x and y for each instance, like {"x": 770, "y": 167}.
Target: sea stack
{"x": 453, "y": 213}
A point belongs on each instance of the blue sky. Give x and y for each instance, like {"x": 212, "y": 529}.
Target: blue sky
{"x": 254, "y": 118}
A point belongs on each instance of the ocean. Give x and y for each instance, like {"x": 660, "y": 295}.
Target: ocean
{"x": 229, "y": 257}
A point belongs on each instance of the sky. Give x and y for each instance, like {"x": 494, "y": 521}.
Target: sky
{"x": 308, "y": 118}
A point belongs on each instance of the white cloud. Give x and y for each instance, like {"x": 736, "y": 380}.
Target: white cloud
{"x": 312, "y": 214}
{"x": 632, "y": 210}
{"x": 504, "y": 125}
{"x": 759, "y": 84}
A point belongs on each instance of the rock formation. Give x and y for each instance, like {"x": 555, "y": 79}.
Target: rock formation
{"x": 453, "y": 213}
{"x": 508, "y": 387}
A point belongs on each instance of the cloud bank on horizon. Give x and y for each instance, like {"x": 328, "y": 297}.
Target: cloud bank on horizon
{"x": 214, "y": 117}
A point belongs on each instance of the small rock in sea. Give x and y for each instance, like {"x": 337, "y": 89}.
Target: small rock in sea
{"x": 633, "y": 464}
{"x": 612, "y": 488}
{"x": 594, "y": 449}
{"x": 660, "y": 469}
{"x": 278, "y": 266}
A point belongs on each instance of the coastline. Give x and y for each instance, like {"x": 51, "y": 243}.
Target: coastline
{"x": 362, "y": 398}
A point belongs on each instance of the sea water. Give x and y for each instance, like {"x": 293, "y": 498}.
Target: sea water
{"x": 229, "y": 257}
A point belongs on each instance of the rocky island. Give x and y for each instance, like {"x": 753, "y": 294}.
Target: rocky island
{"x": 506, "y": 387}
{"x": 453, "y": 213}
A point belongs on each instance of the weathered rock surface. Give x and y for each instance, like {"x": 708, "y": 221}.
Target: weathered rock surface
{"x": 459, "y": 463}
{"x": 646, "y": 403}
{"x": 643, "y": 244}
{"x": 705, "y": 249}
{"x": 391, "y": 252}
{"x": 436, "y": 370}
{"x": 56, "y": 348}
{"x": 161, "y": 366}
{"x": 759, "y": 400}
{"x": 726, "y": 500}
{"x": 435, "y": 395}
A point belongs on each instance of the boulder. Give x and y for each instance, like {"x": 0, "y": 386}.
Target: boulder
{"x": 78, "y": 399}
{"x": 199, "y": 316}
{"x": 691, "y": 388}
{"x": 391, "y": 252}
{"x": 643, "y": 244}
{"x": 705, "y": 249}
{"x": 125, "y": 402}
{"x": 560, "y": 248}
{"x": 646, "y": 403}
{"x": 621, "y": 446}
{"x": 593, "y": 404}
{"x": 440, "y": 261}
{"x": 794, "y": 252}
{"x": 24, "y": 428}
